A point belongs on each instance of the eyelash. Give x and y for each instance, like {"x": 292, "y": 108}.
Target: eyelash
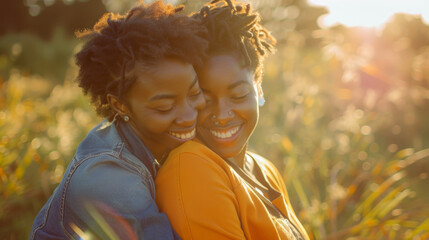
{"x": 240, "y": 97}
{"x": 164, "y": 111}
{"x": 171, "y": 108}
{"x": 196, "y": 94}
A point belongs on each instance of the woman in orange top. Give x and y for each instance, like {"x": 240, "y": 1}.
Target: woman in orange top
{"x": 213, "y": 188}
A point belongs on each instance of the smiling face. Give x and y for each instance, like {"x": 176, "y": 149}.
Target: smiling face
{"x": 231, "y": 111}
{"x": 163, "y": 105}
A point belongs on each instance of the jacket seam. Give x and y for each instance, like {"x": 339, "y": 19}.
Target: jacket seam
{"x": 144, "y": 172}
{"x": 45, "y": 219}
{"x": 138, "y": 168}
{"x": 65, "y": 187}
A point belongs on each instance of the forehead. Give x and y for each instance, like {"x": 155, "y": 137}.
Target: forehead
{"x": 168, "y": 75}
{"x": 223, "y": 70}
{"x": 161, "y": 66}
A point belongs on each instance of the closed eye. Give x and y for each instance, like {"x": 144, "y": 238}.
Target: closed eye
{"x": 195, "y": 93}
{"x": 240, "y": 96}
{"x": 164, "y": 109}
{"x": 240, "y": 93}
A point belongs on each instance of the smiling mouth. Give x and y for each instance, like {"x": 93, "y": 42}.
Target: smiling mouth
{"x": 225, "y": 134}
{"x": 184, "y": 135}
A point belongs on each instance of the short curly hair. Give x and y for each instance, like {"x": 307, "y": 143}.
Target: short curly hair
{"x": 143, "y": 36}
{"x": 235, "y": 28}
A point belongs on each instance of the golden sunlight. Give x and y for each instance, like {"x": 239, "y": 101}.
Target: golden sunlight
{"x": 367, "y": 13}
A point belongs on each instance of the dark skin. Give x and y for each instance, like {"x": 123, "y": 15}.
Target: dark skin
{"x": 232, "y": 110}
{"x": 162, "y": 106}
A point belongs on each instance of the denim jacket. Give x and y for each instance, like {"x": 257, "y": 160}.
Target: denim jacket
{"x": 107, "y": 191}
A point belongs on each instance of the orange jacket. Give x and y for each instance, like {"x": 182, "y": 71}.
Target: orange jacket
{"x": 204, "y": 198}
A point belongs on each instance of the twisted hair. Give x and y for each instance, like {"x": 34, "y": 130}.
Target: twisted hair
{"x": 234, "y": 28}
{"x": 117, "y": 44}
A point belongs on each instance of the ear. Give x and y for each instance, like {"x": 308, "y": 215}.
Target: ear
{"x": 261, "y": 100}
{"x": 260, "y": 91}
{"x": 117, "y": 105}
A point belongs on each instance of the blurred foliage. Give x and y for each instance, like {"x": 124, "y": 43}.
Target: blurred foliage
{"x": 347, "y": 123}
{"x": 34, "y": 56}
{"x": 43, "y": 17}
{"x": 41, "y": 125}
{"x": 345, "y": 118}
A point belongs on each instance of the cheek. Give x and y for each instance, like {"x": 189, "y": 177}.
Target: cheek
{"x": 155, "y": 123}
{"x": 250, "y": 106}
{"x": 203, "y": 116}
{"x": 250, "y": 111}
{"x": 252, "y": 115}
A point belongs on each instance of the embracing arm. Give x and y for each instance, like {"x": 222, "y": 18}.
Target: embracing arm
{"x": 113, "y": 202}
{"x": 197, "y": 195}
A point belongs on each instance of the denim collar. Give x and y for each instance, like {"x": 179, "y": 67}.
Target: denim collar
{"x": 137, "y": 148}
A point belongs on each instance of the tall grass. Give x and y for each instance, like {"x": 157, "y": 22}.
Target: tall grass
{"x": 40, "y": 127}
{"x": 352, "y": 140}
{"x": 349, "y": 134}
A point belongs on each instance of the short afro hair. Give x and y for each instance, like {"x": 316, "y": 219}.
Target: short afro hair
{"x": 146, "y": 34}
{"x": 234, "y": 28}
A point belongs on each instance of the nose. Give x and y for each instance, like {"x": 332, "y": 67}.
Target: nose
{"x": 222, "y": 113}
{"x": 189, "y": 112}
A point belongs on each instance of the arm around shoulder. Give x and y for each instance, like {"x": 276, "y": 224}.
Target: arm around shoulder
{"x": 112, "y": 201}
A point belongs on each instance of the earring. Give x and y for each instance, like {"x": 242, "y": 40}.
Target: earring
{"x": 261, "y": 101}
{"x": 126, "y": 118}
{"x": 213, "y": 117}
{"x": 230, "y": 113}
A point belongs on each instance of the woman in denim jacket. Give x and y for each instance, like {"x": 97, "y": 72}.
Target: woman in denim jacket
{"x": 138, "y": 71}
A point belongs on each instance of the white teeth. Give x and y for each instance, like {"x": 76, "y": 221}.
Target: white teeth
{"x": 226, "y": 134}
{"x": 184, "y": 136}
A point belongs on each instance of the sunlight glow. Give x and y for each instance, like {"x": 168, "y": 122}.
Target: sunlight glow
{"x": 368, "y": 13}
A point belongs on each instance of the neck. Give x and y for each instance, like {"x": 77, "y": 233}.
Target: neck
{"x": 239, "y": 158}
{"x": 159, "y": 151}
{"x": 161, "y": 156}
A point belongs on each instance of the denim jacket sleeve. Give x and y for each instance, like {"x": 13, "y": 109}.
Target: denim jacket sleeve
{"x": 112, "y": 200}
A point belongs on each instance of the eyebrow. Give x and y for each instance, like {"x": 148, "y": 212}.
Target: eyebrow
{"x": 238, "y": 83}
{"x": 169, "y": 96}
{"x": 230, "y": 86}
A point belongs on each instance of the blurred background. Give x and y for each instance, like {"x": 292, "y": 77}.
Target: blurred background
{"x": 345, "y": 119}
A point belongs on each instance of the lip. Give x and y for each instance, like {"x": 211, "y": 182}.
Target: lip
{"x": 183, "y": 135}
{"x": 225, "y": 134}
